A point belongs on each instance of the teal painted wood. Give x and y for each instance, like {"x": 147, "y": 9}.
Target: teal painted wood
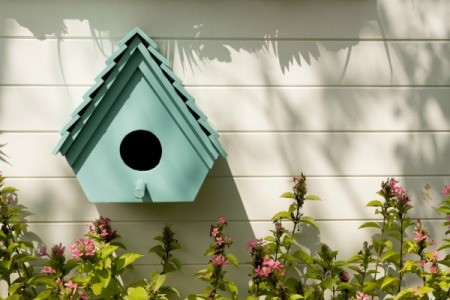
{"x": 138, "y": 95}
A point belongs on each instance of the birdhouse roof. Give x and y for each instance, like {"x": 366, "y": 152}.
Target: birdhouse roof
{"x": 138, "y": 51}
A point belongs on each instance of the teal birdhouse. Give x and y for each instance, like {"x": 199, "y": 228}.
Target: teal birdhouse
{"x": 138, "y": 135}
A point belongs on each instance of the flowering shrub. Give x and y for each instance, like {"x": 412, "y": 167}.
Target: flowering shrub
{"x": 280, "y": 267}
{"x": 214, "y": 274}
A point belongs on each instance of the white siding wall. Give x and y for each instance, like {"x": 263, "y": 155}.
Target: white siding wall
{"x": 347, "y": 91}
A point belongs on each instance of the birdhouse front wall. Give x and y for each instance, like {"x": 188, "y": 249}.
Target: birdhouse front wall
{"x": 105, "y": 176}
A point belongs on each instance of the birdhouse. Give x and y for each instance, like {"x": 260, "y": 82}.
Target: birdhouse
{"x": 138, "y": 135}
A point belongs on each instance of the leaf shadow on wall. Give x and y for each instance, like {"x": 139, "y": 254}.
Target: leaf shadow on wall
{"x": 209, "y": 31}
{"x": 3, "y": 156}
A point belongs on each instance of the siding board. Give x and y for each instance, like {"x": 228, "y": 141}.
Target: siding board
{"x": 260, "y": 63}
{"x": 194, "y": 236}
{"x": 257, "y": 108}
{"x": 351, "y": 19}
{"x": 240, "y": 199}
{"x": 272, "y": 154}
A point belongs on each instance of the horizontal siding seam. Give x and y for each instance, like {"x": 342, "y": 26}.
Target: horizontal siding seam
{"x": 231, "y": 38}
{"x": 235, "y": 132}
{"x": 249, "y": 177}
{"x": 287, "y": 87}
{"x": 440, "y": 86}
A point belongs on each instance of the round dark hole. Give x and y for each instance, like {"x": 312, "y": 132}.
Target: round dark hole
{"x": 141, "y": 150}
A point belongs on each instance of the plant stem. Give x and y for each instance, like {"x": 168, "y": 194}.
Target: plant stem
{"x": 400, "y": 274}
{"x": 28, "y": 276}
{"x": 380, "y": 249}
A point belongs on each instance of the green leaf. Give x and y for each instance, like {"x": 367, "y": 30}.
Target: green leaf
{"x": 159, "y": 250}
{"x": 172, "y": 265}
{"x": 374, "y": 203}
{"x": 289, "y": 257}
{"x": 345, "y": 286}
{"x": 107, "y": 250}
{"x": 369, "y": 286}
{"x": 305, "y": 257}
{"x": 295, "y": 297}
{"x": 232, "y": 259}
{"x": 424, "y": 290}
{"x": 310, "y": 221}
{"x": 443, "y": 209}
{"x": 195, "y": 297}
{"x": 125, "y": 260}
{"x": 44, "y": 280}
{"x": 312, "y": 197}
{"x": 157, "y": 280}
{"x": 137, "y": 293}
{"x": 288, "y": 241}
{"x": 405, "y": 294}
{"x": 103, "y": 286}
{"x": 119, "y": 244}
{"x": 370, "y": 224}
{"x": 288, "y": 195}
{"x": 43, "y": 295}
{"x": 282, "y": 215}
{"x": 392, "y": 256}
{"x": 169, "y": 290}
{"x": 388, "y": 283}
{"x": 232, "y": 288}
{"x": 13, "y": 288}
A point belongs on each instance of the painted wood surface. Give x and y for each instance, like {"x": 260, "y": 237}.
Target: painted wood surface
{"x": 273, "y": 154}
{"x": 349, "y": 92}
{"x": 260, "y": 63}
{"x": 269, "y": 109}
{"x": 349, "y": 19}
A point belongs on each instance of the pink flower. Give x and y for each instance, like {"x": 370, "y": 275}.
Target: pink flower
{"x": 398, "y": 191}
{"x": 221, "y": 220}
{"x": 422, "y": 263}
{"x": 58, "y": 249}
{"x": 362, "y": 296}
{"x": 219, "y": 241}
{"x": 70, "y": 285}
{"x": 268, "y": 267}
{"x": 416, "y": 292}
{"x": 82, "y": 296}
{"x": 435, "y": 255}
{"x": 419, "y": 235}
{"x": 48, "y": 270}
{"x": 273, "y": 264}
{"x": 446, "y": 190}
{"x": 263, "y": 271}
{"x": 433, "y": 268}
{"x": 11, "y": 199}
{"x": 102, "y": 228}
{"x": 43, "y": 252}
{"x": 215, "y": 231}
{"x": 253, "y": 243}
{"x": 219, "y": 260}
{"x": 83, "y": 248}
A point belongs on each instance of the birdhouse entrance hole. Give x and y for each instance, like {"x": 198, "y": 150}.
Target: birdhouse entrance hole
{"x": 141, "y": 150}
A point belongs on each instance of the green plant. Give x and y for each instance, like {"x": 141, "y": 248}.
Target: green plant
{"x": 214, "y": 274}
{"x": 15, "y": 253}
{"x": 281, "y": 267}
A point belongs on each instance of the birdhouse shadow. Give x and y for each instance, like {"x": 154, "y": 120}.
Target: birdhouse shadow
{"x": 218, "y": 196}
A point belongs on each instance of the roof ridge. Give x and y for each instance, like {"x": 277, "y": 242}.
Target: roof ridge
{"x": 120, "y": 58}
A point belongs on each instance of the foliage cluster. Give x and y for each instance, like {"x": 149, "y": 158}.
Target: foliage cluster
{"x": 401, "y": 251}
